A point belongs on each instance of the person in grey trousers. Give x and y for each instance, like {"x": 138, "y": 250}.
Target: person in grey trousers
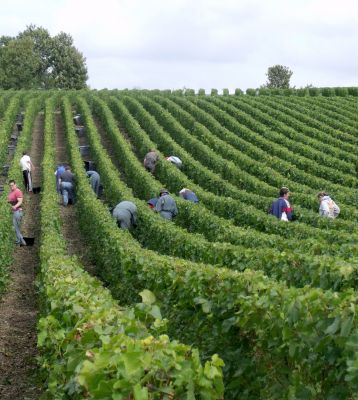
{"x": 15, "y": 198}
{"x": 166, "y": 205}
{"x": 126, "y": 214}
{"x": 94, "y": 180}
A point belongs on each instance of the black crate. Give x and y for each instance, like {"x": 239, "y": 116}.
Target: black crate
{"x": 5, "y": 170}
{"x": 80, "y": 131}
{"x": 19, "y": 126}
{"x": 11, "y": 149}
{"x": 90, "y": 166}
{"x": 84, "y": 150}
{"x": 77, "y": 119}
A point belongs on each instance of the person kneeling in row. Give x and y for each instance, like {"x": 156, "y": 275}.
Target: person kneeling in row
{"x": 126, "y": 214}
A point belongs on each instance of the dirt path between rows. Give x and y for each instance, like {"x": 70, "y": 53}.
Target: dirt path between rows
{"x": 70, "y": 226}
{"x": 18, "y": 306}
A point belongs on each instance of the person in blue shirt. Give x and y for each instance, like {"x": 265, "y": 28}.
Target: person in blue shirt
{"x": 189, "y": 195}
{"x": 59, "y": 170}
{"x": 281, "y": 208}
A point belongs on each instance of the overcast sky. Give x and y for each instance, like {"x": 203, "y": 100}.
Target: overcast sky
{"x": 172, "y": 44}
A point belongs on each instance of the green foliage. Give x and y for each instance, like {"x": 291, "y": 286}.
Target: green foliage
{"x": 31, "y": 106}
{"x": 328, "y": 92}
{"x": 89, "y": 346}
{"x": 353, "y": 91}
{"x": 279, "y": 336}
{"x": 34, "y": 59}
{"x": 341, "y": 91}
{"x": 189, "y": 92}
{"x": 313, "y": 91}
{"x": 263, "y": 91}
{"x": 251, "y": 92}
{"x": 278, "y": 76}
{"x": 18, "y": 65}
{"x": 302, "y": 92}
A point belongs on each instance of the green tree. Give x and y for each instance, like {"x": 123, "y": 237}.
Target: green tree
{"x": 18, "y": 64}
{"x": 279, "y": 77}
{"x": 52, "y": 62}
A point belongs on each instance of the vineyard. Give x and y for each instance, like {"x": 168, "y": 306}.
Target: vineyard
{"x": 225, "y": 301}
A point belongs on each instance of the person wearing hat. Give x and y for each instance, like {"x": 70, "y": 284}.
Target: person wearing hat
{"x": 166, "y": 205}
{"x": 126, "y": 214}
{"x": 189, "y": 195}
{"x": 281, "y": 208}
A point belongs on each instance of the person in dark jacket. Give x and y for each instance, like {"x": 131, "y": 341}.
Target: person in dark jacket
{"x": 281, "y": 208}
{"x": 126, "y": 214}
{"x": 189, "y": 195}
{"x": 166, "y": 205}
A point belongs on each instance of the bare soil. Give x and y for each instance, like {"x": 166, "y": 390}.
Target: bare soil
{"x": 70, "y": 228}
{"x": 18, "y": 306}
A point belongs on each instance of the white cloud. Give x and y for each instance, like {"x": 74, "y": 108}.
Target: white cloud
{"x": 212, "y": 43}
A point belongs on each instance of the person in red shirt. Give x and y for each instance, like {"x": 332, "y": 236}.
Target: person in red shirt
{"x": 15, "y": 198}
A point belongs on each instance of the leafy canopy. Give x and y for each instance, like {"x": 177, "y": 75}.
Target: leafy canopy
{"x": 34, "y": 59}
{"x": 278, "y": 77}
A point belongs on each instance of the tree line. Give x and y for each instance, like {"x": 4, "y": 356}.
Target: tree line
{"x": 35, "y": 60}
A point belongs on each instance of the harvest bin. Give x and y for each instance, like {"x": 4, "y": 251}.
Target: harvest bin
{"x": 77, "y": 119}
{"x": 11, "y": 149}
{"x": 5, "y": 170}
{"x": 80, "y": 131}
{"x": 84, "y": 150}
{"x": 90, "y": 166}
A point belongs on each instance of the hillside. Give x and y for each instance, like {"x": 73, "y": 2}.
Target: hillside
{"x": 274, "y": 300}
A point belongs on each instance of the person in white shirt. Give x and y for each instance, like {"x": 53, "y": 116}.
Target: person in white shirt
{"x": 175, "y": 160}
{"x": 328, "y": 208}
{"x": 27, "y": 167}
